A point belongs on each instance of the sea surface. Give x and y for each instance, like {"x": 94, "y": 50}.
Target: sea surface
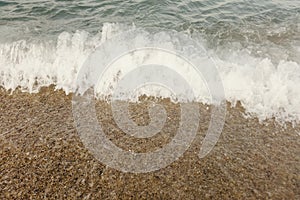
{"x": 255, "y": 43}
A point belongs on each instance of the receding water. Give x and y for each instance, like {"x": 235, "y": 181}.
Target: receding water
{"x": 256, "y": 43}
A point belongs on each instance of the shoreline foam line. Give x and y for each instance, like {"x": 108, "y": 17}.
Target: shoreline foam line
{"x": 265, "y": 88}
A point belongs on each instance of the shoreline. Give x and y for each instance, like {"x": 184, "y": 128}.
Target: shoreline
{"x": 42, "y": 156}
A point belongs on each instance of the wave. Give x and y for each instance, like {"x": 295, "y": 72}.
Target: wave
{"x": 266, "y": 89}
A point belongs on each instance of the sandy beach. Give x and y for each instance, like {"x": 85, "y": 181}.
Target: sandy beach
{"x": 42, "y": 157}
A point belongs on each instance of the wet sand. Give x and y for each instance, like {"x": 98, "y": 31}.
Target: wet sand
{"x": 42, "y": 156}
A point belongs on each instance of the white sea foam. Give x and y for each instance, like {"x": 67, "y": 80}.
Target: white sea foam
{"x": 264, "y": 88}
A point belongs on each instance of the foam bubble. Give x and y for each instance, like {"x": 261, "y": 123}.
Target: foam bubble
{"x": 266, "y": 89}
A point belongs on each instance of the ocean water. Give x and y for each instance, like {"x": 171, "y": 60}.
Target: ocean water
{"x": 255, "y": 44}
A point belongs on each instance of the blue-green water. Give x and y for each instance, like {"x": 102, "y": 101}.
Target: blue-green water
{"x": 25, "y": 18}
{"x": 220, "y": 21}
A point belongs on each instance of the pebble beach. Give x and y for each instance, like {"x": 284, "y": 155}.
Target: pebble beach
{"x": 42, "y": 156}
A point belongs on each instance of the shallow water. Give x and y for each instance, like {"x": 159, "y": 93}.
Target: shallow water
{"x": 256, "y": 44}
{"x": 28, "y": 18}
